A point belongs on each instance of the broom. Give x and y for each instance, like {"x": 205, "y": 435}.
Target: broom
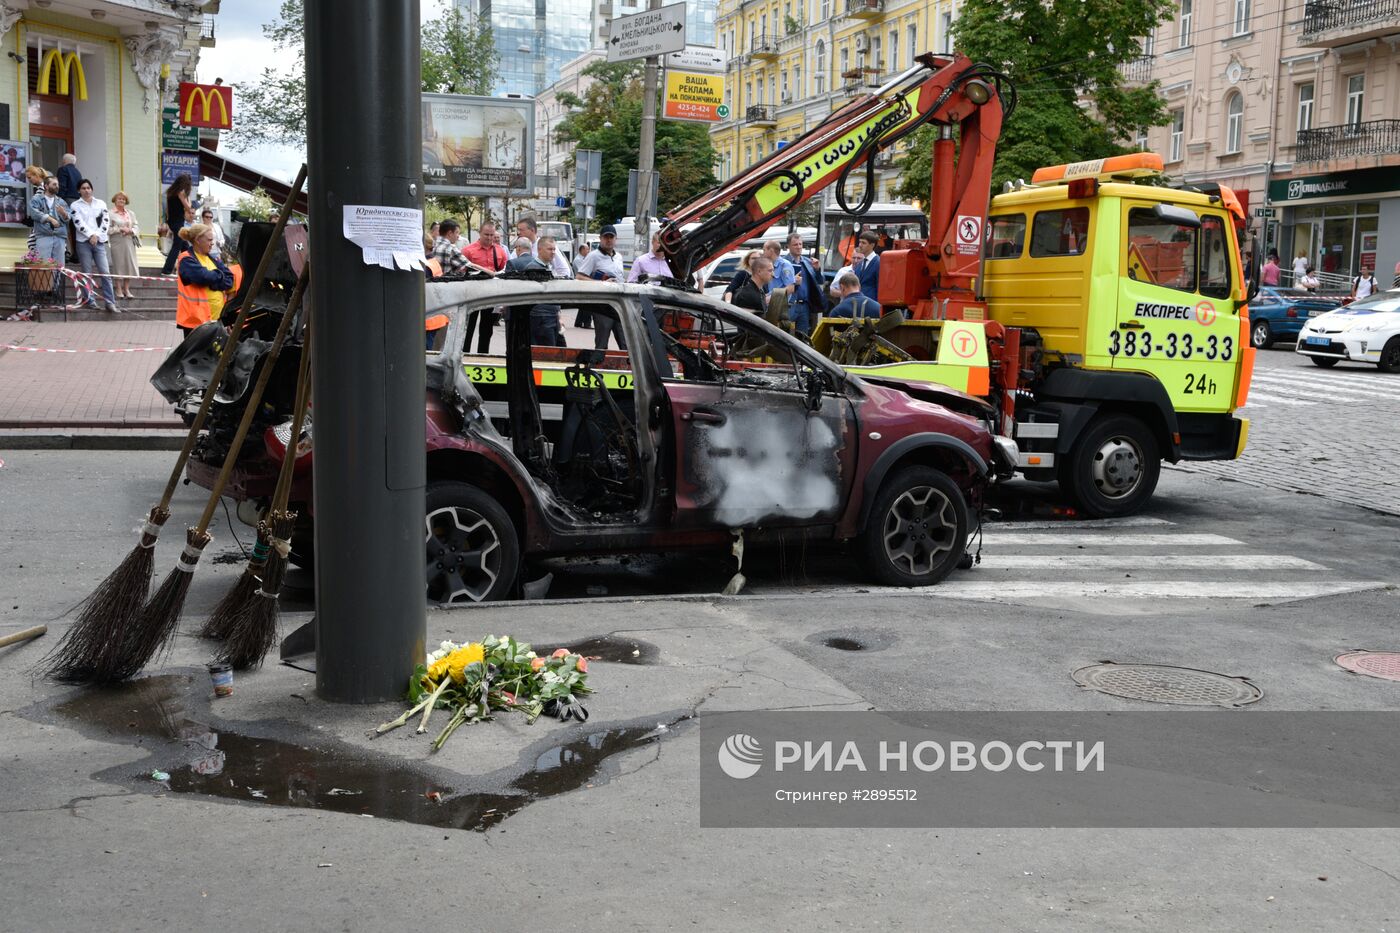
{"x": 155, "y": 625}
{"x": 92, "y": 651}
{"x": 252, "y": 627}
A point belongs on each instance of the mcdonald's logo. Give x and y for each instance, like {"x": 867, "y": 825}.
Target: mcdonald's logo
{"x": 67, "y": 64}
{"x": 208, "y": 105}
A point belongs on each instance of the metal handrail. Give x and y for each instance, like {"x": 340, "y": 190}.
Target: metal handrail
{"x": 1325, "y": 15}
{"x": 1322, "y": 143}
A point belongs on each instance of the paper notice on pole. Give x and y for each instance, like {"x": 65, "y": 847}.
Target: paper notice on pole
{"x": 387, "y": 235}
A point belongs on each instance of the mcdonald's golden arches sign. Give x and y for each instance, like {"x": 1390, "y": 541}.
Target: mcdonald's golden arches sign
{"x": 208, "y": 105}
{"x": 70, "y": 77}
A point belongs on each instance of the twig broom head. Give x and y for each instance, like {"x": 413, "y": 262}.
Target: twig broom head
{"x": 153, "y": 629}
{"x": 253, "y": 631}
{"x": 227, "y": 611}
{"x": 90, "y": 652}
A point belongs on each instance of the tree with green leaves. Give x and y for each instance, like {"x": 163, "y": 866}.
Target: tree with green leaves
{"x": 608, "y": 118}
{"x": 458, "y": 57}
{"x": 1064, "y": 57}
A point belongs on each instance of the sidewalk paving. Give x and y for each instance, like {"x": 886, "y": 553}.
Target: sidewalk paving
{"x": 66, "y": 382}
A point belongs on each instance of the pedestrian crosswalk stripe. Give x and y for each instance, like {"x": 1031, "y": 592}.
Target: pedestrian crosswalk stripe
{"x": 1320, "y": 384}
{"x": 999, "y": 538}
{"x": 1359, "y": 379}
{"x": 1127, "y": 521}
{"x": 1310, "y": 388}
{"x": 1255, "y": 396}
{"x": 993, "y": 561}
{"x": 965, "y": 586}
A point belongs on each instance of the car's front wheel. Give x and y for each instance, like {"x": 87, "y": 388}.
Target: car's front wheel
{"x": 473, "y": 551}
{"x": 917, "y": 530}
{"x": 1390, "y": 356}
{"x": 1261, "y": 337}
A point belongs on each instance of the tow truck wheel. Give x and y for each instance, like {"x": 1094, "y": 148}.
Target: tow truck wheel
{"x": 917, "y": 530}
{"x": 1260, "y": 336}
{"x": 473, "y": 551}
{"x": 1326, "y": 362}
{"x": 1390, "y": 356}
{"x": 1113, "y": 467}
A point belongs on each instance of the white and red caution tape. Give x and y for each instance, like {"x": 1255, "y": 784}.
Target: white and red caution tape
{"x": 23, "y": 349}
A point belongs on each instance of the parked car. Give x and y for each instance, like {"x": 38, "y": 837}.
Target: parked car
{"x": 714, "y": 423}
{"x": 717, "y": 274}
{"x": 1366, "y": 331}
{"x": 1278, "y": 313}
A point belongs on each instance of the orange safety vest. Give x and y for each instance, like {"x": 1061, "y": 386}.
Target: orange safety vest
{"x": 436, "y": 321}
{"x": 192, "y": 301}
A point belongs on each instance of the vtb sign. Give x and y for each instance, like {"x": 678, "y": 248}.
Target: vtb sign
{"x": 207, "y": 105}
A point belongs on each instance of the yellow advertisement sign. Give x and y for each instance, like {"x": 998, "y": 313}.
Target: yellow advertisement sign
{"x": 695, "y": 97}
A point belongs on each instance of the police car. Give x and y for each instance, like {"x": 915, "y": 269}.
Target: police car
{"x": 1366, "y": 331}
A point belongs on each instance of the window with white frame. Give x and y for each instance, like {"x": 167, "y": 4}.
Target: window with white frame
{"x": 1141, "y": 140}
{"x": 819, "y": 70}
{"x": 1356, "y": 99}
{"x": 911, "y": 36}
{"x": 894, "y": 50}
{"x": 773, "y": 89}
{"x": 1178, "y": 135}
{"x": 945, "y": 33}
{"x": 845, "y": 59}
{"x": 1305, "y": 106}
{"x": 875, "y": 59}
{"x": 1183, "y": 24}
{"x": 1149, "y": 45}
{"x": 1234, "y": 122}
{"x": 826, "y": 9}
{"x": 1242, "y": 17}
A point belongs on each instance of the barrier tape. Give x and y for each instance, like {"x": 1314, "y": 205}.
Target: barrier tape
{"x": 78, "y": 274}
{"x": 15, "y": 346}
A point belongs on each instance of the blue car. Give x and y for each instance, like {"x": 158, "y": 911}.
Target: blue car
{"x": 1279, "y": 314}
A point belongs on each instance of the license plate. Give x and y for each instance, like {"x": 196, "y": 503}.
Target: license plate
{"x": 1318, "y": 341}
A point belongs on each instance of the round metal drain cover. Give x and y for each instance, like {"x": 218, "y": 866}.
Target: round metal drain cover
{"x": 1162, "y": 683}
{"x": 1382, "y": 664}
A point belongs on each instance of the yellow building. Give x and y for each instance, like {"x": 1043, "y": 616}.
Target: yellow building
{"x": 91, "y": 78}
{"x": 793, "y": 62}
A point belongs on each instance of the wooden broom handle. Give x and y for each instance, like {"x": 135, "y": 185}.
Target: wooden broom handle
{"x": 250, "y": 409}
{"x": 231, "y": 343}
{"x": 25, "y": 634}
{"x": 283, "y": 491}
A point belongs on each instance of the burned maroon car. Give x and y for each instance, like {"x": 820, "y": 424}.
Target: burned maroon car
{"x": 711, "y": 423}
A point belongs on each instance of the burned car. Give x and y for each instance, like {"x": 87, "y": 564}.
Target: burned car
{"x": 710, "y": 424}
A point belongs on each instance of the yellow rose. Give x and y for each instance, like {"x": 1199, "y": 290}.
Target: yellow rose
{"x": 458, "y": 660}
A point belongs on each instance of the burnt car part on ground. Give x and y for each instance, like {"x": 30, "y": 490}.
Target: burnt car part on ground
{"x": 711, "y": 422}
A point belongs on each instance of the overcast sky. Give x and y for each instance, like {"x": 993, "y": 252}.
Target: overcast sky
{"x": 240, "y": 53}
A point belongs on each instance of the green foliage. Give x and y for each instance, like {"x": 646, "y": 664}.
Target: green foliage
{"x": 458, "y": 57}
{"x": 1063, "y": 56}
{"x": 257, "y": 205}
{"x": 684, "y": 156}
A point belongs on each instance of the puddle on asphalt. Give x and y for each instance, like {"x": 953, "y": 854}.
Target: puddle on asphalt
{"x": 616, "y": 648}
{"x": 341, "y": 778}
{"x": 843, "y": 644}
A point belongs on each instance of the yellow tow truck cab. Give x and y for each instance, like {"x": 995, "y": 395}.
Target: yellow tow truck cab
{"x": 1128, "y": 302}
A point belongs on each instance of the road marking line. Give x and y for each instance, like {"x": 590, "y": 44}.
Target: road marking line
{"x": 1130, "y": 521}
{"x": 1256, "y": 395}
{"x": 1356, "y": 379}
{"x": 1111, "y": 540}
{"x": 1144, "y": 589}
{"x": 994, "y": 561}
{"x": 1312, "y": 385}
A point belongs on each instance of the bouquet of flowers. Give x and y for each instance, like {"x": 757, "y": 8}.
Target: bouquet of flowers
{"x": 496, "y": 674}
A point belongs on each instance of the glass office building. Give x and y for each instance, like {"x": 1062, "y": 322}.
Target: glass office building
{"x": 536, "y": 38}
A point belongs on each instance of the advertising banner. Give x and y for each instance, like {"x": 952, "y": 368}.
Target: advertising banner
{"x": 175, "y": 136}
{"x": 698, "y": 98}
{"x": 172, "y": 164}
{"x": 206, "y": 105}
{"x": 478, "y": 145}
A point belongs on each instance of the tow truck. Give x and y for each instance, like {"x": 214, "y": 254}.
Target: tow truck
{"x": 1102, "y": 314}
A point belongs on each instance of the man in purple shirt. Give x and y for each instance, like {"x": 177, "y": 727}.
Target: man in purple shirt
{"x": 653, "y": 263}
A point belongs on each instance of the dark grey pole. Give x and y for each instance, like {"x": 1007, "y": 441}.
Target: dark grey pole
{"x": 364, "y": 136}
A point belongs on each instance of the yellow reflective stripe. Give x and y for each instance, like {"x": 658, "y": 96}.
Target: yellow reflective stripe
{"x": 546, "y": 376}
{"x": 945, "y": 374}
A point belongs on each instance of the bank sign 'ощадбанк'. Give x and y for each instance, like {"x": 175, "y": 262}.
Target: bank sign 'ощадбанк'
{"x": 695, "y": 97}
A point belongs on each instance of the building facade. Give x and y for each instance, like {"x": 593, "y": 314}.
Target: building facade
{"x": 91, "y": 78}
{"x": 793, "y": 62}
{"x": 1297, "y": 107}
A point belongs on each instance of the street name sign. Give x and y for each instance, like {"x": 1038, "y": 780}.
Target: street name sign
{"x": 648, "y": 33}
{"x": 697, "y": 58}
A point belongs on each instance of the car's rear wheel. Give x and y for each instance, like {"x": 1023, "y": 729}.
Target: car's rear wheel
{"x": 1326, "y": 362}
{"x": 917, "y": 530}
{"x": 473, "y": 550}
{"x": 1261, "y": 336}
{"x": 1113, "y": 467}
{"x": 1390, "y": 356}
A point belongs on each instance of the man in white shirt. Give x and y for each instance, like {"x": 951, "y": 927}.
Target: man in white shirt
{"x": 1300, "y": 265}
{"x": 603, "y": 265}
{"x": 527, "y": 228}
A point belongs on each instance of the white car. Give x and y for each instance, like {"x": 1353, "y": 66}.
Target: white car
{"x": 1366, "y": 331}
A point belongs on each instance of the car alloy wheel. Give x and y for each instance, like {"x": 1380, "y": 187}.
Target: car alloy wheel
{"x": 920, "y": 527}
{"x": 1260, "y": 335}
{"x": 464, "y": 555}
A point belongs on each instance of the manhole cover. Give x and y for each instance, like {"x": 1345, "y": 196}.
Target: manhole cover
{"x": 1162, "y": 683}
{"x": 1382, "y": 664}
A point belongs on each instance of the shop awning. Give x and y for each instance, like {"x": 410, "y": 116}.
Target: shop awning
{"x": 245, "y": 178}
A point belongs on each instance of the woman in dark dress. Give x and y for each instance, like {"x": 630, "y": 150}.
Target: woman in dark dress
{"x": 178, "y": 212}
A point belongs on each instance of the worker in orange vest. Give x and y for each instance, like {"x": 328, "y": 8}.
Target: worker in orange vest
{"x": 204, "y": 284}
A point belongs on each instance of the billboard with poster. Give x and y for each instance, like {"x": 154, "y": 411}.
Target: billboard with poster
{"x": 478, "y": 145}
{"x": 14, "y": 157}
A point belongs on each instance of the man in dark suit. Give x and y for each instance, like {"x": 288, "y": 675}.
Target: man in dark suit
{"x": 866, "y": 265}
{"x": 808, "y": 301}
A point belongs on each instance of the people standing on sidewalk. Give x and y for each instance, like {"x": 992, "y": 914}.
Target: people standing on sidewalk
{"x": 488, "y": 253}
{"x": 50, "y": 216}
{"x": 741, "y": 275}
{"x": 446, "y": 250}
{"x": 653, "y": 264}
{"x": 808, "y": 299}
{"x": 69, "y": 178}
{"x": 527, "y": 227}
{"x": 178, "y": 213}
{"x": 125, "y": 237}
{"x": 1364, "y": 285}
{"x": 203, "y": 283}
{"x": 207, "y": 218}
{"x": 600, "y": 265}
{"x": 867, "y": 265}
{"x": 91, "y": 223}
{"x": 1269, "y": 275}
{"x": 1300, "y": 266}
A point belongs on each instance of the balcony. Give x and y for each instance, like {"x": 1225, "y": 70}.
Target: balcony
{"x": 761, "y": 115}
{"x": 865, "y": 9}
{"x": 1330, "y": 23}
{"x": 886, "y": 159}
{"x": 1137, "y": 70}
{"x": 764, "y": 48}
{"x": 1351, "y": 140}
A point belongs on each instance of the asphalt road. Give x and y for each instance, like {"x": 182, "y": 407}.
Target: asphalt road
{"x": 1230, "y": 571}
